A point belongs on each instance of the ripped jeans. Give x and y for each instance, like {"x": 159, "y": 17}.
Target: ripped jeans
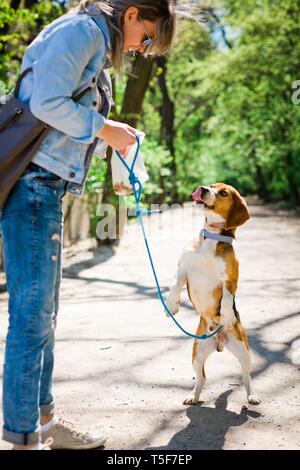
{"x": 31, "y": 225}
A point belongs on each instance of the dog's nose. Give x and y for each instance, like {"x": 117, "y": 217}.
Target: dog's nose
{"x": 204, "y": 189}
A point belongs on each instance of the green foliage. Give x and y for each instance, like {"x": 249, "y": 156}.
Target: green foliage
{"x": 94, "y": 188}
{"x": 95, "y": 181}
{"x": 251, "y": 111}
{"x": 17, "y": 30}
{"x": 157, "y": 160}
{"x": 235, "y": 119}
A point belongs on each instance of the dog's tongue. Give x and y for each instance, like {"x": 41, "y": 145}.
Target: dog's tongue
{"x": 197, "y": 195}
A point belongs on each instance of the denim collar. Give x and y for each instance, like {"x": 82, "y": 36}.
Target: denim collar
{"x": 95, "y": 12}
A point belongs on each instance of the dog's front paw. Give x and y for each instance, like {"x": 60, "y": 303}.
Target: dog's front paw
{"x": 190, "y": 400}
{"x": 227, "y": 322}
{"x": 172, "y": 306}
{"x": 254, "y": 399}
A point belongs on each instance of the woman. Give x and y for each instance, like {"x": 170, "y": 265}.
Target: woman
{"x": 69, "y": 55}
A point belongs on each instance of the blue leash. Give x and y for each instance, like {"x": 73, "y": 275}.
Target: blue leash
{"x": 133, "y": 179}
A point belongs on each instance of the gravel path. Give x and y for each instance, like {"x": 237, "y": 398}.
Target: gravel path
{"x": 123, "y": 368}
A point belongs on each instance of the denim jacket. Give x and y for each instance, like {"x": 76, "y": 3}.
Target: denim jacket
{"x": 68, "y": 56}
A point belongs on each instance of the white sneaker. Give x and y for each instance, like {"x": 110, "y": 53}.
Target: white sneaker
{"x": 66, "y": 436}
{"x": 47, "y": 444}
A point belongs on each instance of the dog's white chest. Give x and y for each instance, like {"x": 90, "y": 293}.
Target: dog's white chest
{"x": 205, "y": 272}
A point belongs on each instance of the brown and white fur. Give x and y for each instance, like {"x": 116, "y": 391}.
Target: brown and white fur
{"x": 210, "y": 268}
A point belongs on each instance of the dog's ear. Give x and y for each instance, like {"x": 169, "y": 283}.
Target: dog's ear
{"x": 238, "y": 213}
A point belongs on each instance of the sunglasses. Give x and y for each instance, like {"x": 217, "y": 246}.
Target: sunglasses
{"x": 147, "y": 42}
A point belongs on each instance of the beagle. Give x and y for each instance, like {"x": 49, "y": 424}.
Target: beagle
{"x": 210, "y": 269}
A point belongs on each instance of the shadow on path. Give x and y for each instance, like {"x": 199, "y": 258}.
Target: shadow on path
{"x": 208, "y": 426}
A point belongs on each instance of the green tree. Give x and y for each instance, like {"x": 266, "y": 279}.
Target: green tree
{"x": 249, "y": 131}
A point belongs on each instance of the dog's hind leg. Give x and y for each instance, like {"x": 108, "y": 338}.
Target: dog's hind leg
{"x": 238, "y": 345}
{"x": 202, "y": 349}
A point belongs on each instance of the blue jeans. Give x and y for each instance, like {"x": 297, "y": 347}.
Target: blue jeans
{"x": 31, "y": 225}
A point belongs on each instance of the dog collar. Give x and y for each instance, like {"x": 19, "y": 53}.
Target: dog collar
{"x": 215, "y": 236}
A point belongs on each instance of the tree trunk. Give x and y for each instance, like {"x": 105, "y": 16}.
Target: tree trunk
{"x": 136, "y": 88}
{"x": 262, "y": 189}
{"x": 15, "y": 4}
{"x": 167, "y": 135}
{"x": 295, "y": 195}
{"x": 30, "y": 3}
{"x": 134, "y": 95}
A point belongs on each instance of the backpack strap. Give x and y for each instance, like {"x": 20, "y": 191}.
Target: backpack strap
{"x": 17, "y": 85}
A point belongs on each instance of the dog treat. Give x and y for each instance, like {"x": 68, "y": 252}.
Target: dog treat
{"x": 122, "y": 189}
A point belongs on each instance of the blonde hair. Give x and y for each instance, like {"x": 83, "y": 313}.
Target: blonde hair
{"x": 162, "y": 11}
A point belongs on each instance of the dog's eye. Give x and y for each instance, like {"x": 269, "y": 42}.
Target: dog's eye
{"x": 223, "y": 193}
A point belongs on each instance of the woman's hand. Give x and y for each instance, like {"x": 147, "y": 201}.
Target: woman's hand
{"x": 118, "y": 135}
